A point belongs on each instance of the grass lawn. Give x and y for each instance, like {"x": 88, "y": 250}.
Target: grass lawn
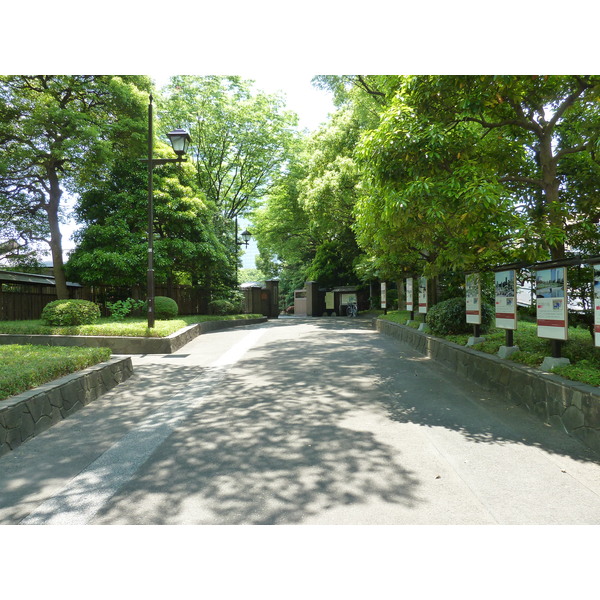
{"x": 130, "y": 327}
{"x": 579, "y": 348}
{"x": 23, "y": 367}
{"x": 26, "y": 367}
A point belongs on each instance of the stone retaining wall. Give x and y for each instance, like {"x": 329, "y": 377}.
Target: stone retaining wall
{"x": 28, "y": 414}
{"x": 572, "y": 406}
{"x": 130, "y": 345}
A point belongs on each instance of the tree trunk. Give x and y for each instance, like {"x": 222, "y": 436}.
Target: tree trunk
{"x": 551, "y": 192}
{"x": 52, "y": 207}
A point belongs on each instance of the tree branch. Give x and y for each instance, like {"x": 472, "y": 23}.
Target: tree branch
{"x": 521, "y": 179}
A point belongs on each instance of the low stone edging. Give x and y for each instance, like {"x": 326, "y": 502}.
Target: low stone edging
{"x": 28, "y": 414}
{"x": 130, "y": 345}
{"x": 572, "y": 406}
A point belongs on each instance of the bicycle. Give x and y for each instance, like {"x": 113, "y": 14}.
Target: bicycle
{"x": 352, "y": 309}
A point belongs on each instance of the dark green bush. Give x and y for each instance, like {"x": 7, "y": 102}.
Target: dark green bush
{"x": 448, "y": 317}
{"x": 222, "y": 307}
{"x": 71, "y": 312}
{"x": 165, "y": 308}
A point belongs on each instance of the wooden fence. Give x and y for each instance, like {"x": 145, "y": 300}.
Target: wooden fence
{"x": 21, "y": 302}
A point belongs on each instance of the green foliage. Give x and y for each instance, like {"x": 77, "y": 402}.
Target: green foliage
{"x": 112, "y": 247}
{"x": 240, "y": 137}
{"x": 70, "y": 312}
{"x": 251, "y": 275}
{"x": 59, "y": 133}
{"x": 122, "y": 308}
{"x": 230, "y": 302}
{"x": 26, "y": 367}
{"x": 130, "y": 327}
{"x": 585, "y": 371}
{"x": 165, "y": 308}
{"x": 448, "y": 317}
{"x": 221, "y": 307}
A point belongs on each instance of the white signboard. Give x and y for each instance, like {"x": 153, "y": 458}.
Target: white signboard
{"x": 597, "y": 304}
{"x": 551, "y": 292}
{"x": 348, "y": 298}
{"x": 383, "y": 295}
{"x": 473, "y": 303}
{"x": 423, "y": 295}
{"x": 409, "y": 294}
{"x": 329, "y": 301}
{"x": 506, "y": 299}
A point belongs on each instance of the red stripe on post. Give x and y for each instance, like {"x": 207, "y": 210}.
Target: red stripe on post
{"x": 505, "y": 315}
{"x": 550, "y": 323}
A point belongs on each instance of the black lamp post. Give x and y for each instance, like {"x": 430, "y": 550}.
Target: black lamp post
{"x": 246, "y": 235}
{"x": 180, "y": 141}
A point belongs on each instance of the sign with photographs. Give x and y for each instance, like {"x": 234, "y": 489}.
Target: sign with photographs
{"x": 409, "y": 294}
{"x": 597, "y": 304}
{"x": 423, "y": 295}
{"x": 506, "y": 299}
{"x": 551, "y": 292}
{"x": 383, "y": 295}
{"x": 473, "y": 304}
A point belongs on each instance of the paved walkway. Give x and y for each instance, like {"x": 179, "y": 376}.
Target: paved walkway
{"x": 299, "y": 421}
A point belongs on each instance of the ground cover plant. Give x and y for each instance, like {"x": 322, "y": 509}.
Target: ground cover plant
{"x": 26, "y": 367}
{"x": 579, "y": 348}
{"x": 129, "y": 327}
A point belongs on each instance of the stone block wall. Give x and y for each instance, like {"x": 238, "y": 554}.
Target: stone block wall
{"x": 569, "y": 405}
{"x": 28, "y": 414}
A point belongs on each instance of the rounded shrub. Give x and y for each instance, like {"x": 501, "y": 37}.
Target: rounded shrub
{"x": 70, "y": 312}
{"x": 222, "y": 307}
{"x": 165, "y": 308}
{"x": 449, "y": 318}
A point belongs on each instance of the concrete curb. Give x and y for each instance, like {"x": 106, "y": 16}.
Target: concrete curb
{"x": 130, "y": 345}
{"x": 28, "y": 414}
{"x": 569, "y": 405}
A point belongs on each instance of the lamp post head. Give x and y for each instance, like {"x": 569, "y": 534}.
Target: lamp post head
{"x": 246, "y": 235}
{"x": 180, "y": 141}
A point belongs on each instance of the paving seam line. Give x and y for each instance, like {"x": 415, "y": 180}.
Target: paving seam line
{"x": 83, "y": 496}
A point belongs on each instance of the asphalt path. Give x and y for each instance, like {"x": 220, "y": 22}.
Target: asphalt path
{"x": 299, "y": 421}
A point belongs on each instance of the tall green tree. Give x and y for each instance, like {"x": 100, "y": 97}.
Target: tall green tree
{"x": 328, "y": 193}
{"x": 464, "y": 171}
{"x": 59, "y": 133}
{"x": 553, "y": 118}
{"x": 281, "y": 228}
{"x": 112, "y": 246}
{"x": 241, "y": 138}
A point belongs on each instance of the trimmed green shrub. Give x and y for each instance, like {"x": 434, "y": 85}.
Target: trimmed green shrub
{"x": 165, "y": 308}
{"x": 71, "y": 312}
{"x": 222, "y": 307}
{"x": 448, "y": 317}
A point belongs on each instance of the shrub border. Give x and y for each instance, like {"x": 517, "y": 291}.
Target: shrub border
{"x": 571, "y": 406}
{"x": 129, "y": 345}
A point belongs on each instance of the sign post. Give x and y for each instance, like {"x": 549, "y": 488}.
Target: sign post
{"x": 409, "y": 298}
{"x": 423, "y": 303}
{"x": 597, "y": 304}
{"x": 506, "y": 308}
{"x": 384, "y": 297}
{"x": 473, "y": 306}
{"x": 552, "y": 320}
{"x": 551, "y": 301}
